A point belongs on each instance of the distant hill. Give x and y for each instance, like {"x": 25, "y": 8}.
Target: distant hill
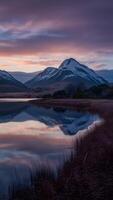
{"x": 8, "y": 84}
{"x": 23, "y": 76}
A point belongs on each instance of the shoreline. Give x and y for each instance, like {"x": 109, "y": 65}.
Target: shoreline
{"x": 91, "y": 105}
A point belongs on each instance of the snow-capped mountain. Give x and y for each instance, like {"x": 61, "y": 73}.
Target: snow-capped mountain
{"x": 9, "y": 84}
{"x": 70, "y": 72}
{"x": 81, "y": 70}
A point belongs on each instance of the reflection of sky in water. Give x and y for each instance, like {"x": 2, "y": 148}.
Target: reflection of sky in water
{"x": 30, "y": 136}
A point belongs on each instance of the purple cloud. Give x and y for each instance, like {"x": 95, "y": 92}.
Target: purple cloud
{"x": 36, "y": 26}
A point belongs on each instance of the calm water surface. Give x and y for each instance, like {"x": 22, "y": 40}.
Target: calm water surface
{"x": 32, "y": 136}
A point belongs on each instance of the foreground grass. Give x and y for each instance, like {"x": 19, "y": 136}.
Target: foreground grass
{"x": 86, "y": 175}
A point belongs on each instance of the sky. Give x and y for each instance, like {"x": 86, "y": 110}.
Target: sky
{"x": 35, "y": 34}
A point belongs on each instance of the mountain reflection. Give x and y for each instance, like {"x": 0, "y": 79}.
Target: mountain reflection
{"x": 70, "y": 122}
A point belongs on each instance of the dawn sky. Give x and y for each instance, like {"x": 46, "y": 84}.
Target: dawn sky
{"x": 35, "y": 34}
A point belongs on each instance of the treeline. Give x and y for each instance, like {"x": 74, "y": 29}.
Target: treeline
{"x": 96, "y": 92}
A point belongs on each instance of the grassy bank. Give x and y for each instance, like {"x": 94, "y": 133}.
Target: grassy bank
{"x": 87, "y": 174}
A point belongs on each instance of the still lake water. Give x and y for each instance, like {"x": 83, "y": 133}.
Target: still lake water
{"x": 32, "y": 136}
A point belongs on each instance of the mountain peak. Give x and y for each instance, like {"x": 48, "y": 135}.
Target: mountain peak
{"x": 70, "y": 61}
{"x": 70, "y": 64}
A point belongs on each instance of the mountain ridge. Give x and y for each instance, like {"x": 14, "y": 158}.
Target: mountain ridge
{"x": 9, "y": 84}
{"x": 69, "y": 72}
{"x": 71, "y": 79}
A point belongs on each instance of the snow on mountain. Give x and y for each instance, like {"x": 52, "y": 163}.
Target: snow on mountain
{"x": 81, "y": 70}
{"x": 9, "y": 84}
{"x": 42, "y": 76}
{"x": 69, "y": 72}
{"x": 106, "y": 74}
